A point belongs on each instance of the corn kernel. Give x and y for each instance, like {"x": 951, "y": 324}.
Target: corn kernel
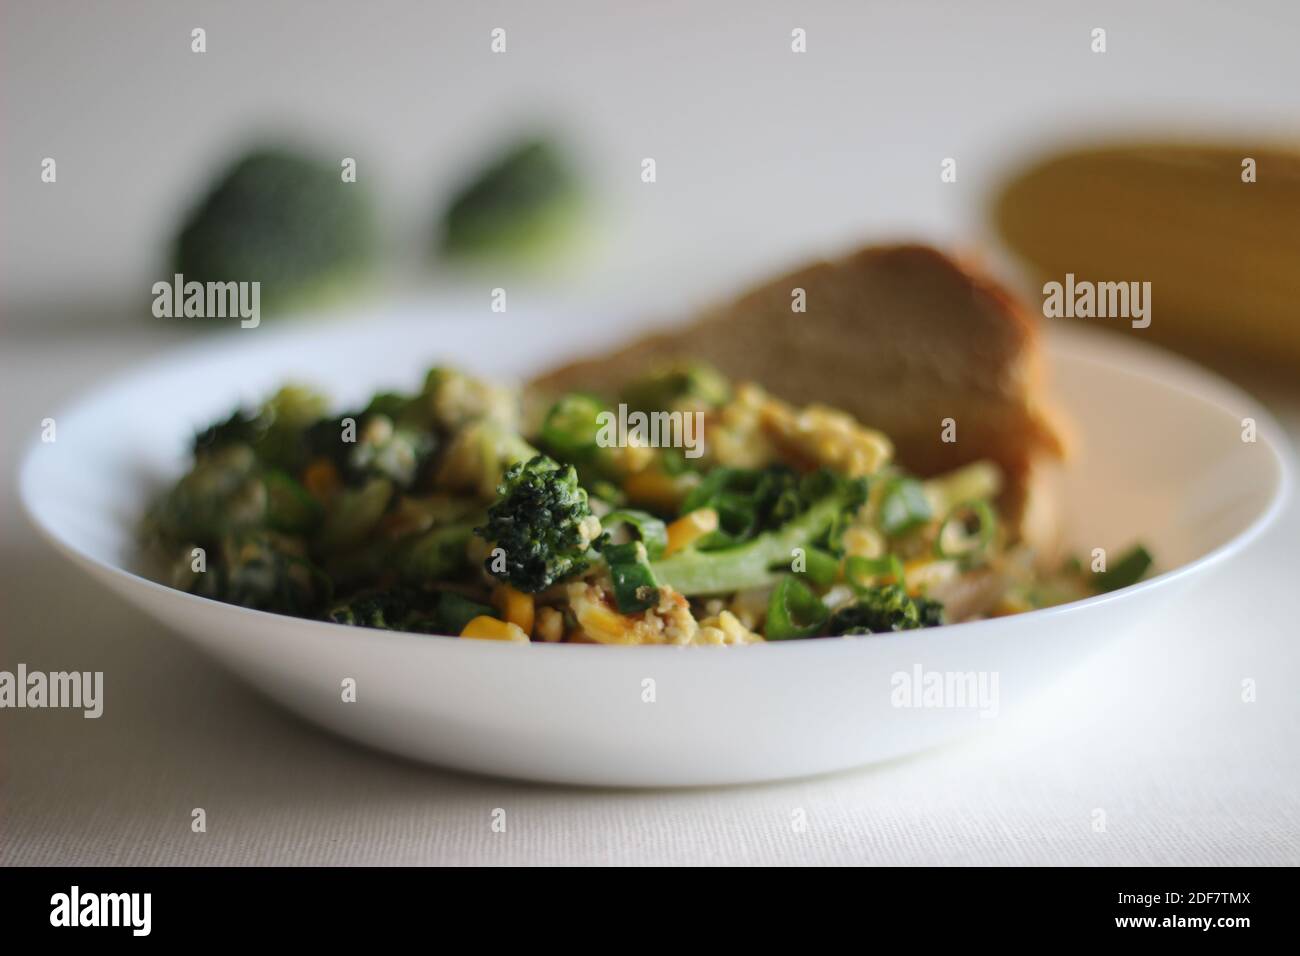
{"x": 689, "y": 528}
{"x": 653, "y": 487}
{"x": 515, "y": 606}
{"x": 550, "y": 625}
{"x": 603, "y": 625}
{"x": 486, "y": 628}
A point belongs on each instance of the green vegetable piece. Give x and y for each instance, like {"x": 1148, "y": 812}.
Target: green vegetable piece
{"x": 1129, "y": 569}
{"x": 750, "y": 501}
{"x": 762, "y": 559}
{"x": 520, "y": 207}
{"x": 283, "y": 219}
{"x": 542, "y": 523}
{"x": 289, "y": 508}
{"x": 436, "y": 554}
{"x": 222, "y": 493}
{"x": 571, "y": 426}
{"x": 455, "y": 611}
{"x": 398, "y": 609}
{"x": 266, "y": 571}
{"x": 652, "y": 532}
{"x": 884, "y": 609}
{"x": 821, "y": 567}
{"x": 354, "y": 515}
{"x": 903, "y": 507}
{"x": 680, "y": 386}
{"x": 861, "y": 572}
{"x": 635, "y": 587}
{"x": 967, "y": 533}
{"x": 794, "y": 611}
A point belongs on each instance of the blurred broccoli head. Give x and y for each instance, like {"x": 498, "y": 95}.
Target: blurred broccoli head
{"x": 542, "y": 523}
{"x": 283, "y": 219}
{"x": 884, "y": 609}
{"x": 521, "y": 206}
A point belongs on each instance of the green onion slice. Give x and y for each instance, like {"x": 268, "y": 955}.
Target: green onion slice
{"x": 967, "y": 532}
{"x": 794, "y": 611}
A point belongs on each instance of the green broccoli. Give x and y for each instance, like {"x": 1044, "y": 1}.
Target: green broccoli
{"x": 277, "y": 430}
{"x": 686, "y": 386}
{"x": 257, "y": 569}
{"x": 884, "y": 609}
{"x": 285, "y": 220}
{"x": 223, "y": 492}
{"x": 396, "y": 609}
{"x": 762, "y": 559}
{"x": 542, "y": 524}
{"x": 520, "y": 207}
{"x": 365, "y": 445}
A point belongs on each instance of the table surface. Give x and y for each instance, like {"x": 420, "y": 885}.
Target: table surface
{"x": 840, "y": 145}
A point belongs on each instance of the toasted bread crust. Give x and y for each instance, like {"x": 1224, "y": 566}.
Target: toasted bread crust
{"x": 902, "y": 337}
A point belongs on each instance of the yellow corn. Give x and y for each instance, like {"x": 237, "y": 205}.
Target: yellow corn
{"x": 653, "y": 487}
{"x": 515, "y": 606}
{"x": 486, "y": 628}
{"x": 603, "y": 625}
{"x": 550, "y": 625}
{"x": 689, "y": 528}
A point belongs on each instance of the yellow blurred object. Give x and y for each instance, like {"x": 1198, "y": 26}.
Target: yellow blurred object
{"x": 486, "y": 628}
{"x": 515, "y": 606}
{"x": 689, "y": 528}
{"x": 550, "y": 625}
{"x": 1222, "y": 253}
{"x": 656, "y": 489}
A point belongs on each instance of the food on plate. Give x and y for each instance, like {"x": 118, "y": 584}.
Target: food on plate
{"x": 284, "y": 219}
{"x": 665, "y": 502}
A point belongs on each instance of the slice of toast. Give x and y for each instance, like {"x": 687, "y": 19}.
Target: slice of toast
{"x": 902, "y": 337}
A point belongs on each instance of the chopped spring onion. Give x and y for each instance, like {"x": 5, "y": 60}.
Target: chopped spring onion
{"x": 822, "y": 567}
{"x": 651, "y": 530}
{"x": 794, "y": 611}
{"x": 904, "y": 506}
{"x": 635, "y": 587}
{"x": 454, "y": 612}
{"x": 1129, "y": 569}
{"x": 862, "y": 573}
{"x": 968, "y": 532}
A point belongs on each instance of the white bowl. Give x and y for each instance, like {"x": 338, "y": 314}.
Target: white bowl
{"x": 1161, "y": 460}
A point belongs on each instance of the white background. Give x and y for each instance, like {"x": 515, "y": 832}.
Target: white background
{"x": 764, "y": 158}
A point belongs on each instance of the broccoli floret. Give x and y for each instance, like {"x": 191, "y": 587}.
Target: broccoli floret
{"x": 451, "y": 400}
{"x": 520, "y": 207}
{"x": 365, "y": 445}
{"x": 275, "y": 431}
{"x": 257, "y": 569}
{"x": 223, "y": 492}
{"x": 884, "y": 609}
{"x": 396, "y": 609}
{"x": 688, "y": 386}
{"x": 285, "y": 220}
{"x": 478, "y": 456}
{"x": 543, "y": 524}
{"x": 762, "y": 559}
